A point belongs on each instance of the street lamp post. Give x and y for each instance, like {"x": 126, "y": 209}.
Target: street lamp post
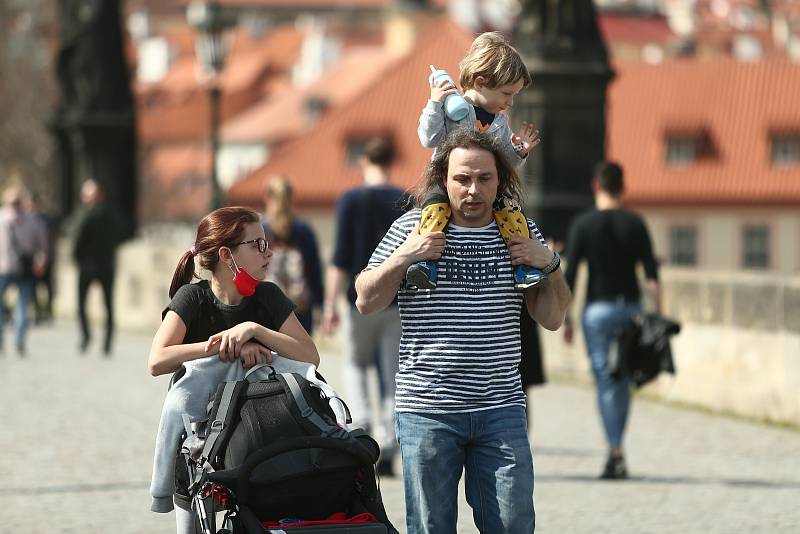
{"x": 211, "y": 47}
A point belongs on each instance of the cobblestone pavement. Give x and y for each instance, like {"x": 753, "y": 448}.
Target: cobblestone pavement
{"x": 78, "y": 433}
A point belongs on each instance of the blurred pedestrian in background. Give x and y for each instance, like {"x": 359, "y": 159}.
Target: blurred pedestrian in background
{"x": 363, "y": 215}
{"x": 23, "y": 256}
{"x": 295, "y": 266}
{"x": 43, "y": 306}
{"x": 99, "y": 230}
{"x": 613, "y": 241}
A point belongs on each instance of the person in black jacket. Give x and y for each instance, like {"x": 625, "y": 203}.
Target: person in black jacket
{"x": 99, "y": 230}
{"x": 613, "y": 241}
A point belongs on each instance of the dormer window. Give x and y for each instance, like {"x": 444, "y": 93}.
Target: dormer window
{"x": 682, "y": 149}
{"x": 785, "y": 150}
{"x": 688, "y": 144}
{"x": 355, "y": 149}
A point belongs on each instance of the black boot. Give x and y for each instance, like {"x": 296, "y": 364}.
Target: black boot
{"x": 615, "y": 468}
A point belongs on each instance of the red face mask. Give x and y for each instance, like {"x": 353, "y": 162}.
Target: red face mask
{"x": 245, "y": 284}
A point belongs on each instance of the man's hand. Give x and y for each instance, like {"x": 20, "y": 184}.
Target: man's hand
{"x": 527, "y": 251}
{"x": 376, "y": 288}
{"x": 418, "y": 247}
{"x": 528, "y": 138}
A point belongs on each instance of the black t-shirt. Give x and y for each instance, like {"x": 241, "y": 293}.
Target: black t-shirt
{"x": 99, "y": 231}
{"x": 612, "y": 242}
{"x": 483, "y": 119}
{"x": 363, "y": 215}
{"x": 204, "y": 315}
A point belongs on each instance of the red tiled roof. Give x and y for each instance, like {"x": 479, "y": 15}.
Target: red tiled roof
{"x": 176, "y": 108}
{"x": 317, "y": 161}
{"x": 737, "y": 105}
{"x": 248, "y": 57}
{"x": 281, "y": 116}
{"x": 621, "y": 27}
{"x": 320, "y": 4}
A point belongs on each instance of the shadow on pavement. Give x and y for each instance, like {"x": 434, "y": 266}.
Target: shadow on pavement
{"x": 77, "y": 488}
{"x": 566, "y": 452}
{"x": 677, "y": 480}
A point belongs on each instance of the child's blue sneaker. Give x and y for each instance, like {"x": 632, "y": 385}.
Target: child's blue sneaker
{"x": 526, "y": 276}
{"x": 421, "y": 275}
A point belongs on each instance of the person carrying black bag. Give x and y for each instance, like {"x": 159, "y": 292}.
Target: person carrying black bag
{"x": 23, "y": 253}
{"x": 613, "y": 241}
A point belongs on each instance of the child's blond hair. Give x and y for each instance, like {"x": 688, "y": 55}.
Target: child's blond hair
{"x": 493, "y": 58}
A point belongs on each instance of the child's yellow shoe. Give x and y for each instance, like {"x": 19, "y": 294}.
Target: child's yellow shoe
{"x": 509, "y": 218}
{"x": 435, "y": 216}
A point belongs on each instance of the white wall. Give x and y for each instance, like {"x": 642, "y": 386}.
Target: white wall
{"x": 719, "y": 234}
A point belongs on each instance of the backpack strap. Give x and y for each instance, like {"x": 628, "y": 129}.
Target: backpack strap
{"x": 216, "y": 427}
{"x": 249, "y": 375}
{"x": 308, "y": 412}
{"x": 187, "y": 424}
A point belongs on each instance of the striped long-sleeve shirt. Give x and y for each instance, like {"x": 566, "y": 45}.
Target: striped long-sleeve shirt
{"x": 460, "y": 347}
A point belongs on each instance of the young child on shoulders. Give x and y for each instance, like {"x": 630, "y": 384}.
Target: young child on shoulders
{"x": 491, "y": 75}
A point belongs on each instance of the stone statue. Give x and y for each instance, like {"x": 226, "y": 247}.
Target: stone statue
{"x": 94, "y": 121}
{"x": 558, "y": 24}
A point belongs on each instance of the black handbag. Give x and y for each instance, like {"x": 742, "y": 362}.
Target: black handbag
{"x": 641, "y": 349}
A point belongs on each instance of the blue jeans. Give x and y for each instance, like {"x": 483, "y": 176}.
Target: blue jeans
{"x": 24, "y": 295}
{"x": 491, "y": 447}
{"x": 601, "y": 321}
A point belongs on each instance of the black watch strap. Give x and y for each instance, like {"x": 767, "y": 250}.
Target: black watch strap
{"x": 553, "y": 265}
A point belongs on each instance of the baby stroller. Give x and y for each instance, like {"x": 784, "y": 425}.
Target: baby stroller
{"x": 271, "y": 458}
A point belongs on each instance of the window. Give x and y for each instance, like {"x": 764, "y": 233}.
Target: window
{"x": 785, "y": 150}
{"x": 683, "y": 245}
{"x": 755, "y": 247}
{"x": 355, "y": 149}
{"x": 681, "y": 150}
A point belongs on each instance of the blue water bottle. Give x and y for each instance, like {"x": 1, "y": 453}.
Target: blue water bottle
{"x": 455, "y": 107}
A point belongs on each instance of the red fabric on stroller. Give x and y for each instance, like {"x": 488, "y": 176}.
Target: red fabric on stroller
{"x": 339, "y": 518}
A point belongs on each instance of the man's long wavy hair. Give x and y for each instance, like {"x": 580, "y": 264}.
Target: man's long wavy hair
{"x": 435, "y": 175}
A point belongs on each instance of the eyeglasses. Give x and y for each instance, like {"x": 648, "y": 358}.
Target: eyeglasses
{"x": 260, "y": 242}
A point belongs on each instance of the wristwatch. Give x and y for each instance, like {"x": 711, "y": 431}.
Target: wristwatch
{"x": 553, "y": 265}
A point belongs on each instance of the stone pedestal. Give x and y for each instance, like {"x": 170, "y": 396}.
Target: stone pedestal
{"x": 567, "y": 59}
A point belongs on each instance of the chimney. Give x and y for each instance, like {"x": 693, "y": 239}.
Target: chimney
{"x": 318, "y": 52}
{"x": 403, "y": 23}
{"x": 313, "y": 107}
